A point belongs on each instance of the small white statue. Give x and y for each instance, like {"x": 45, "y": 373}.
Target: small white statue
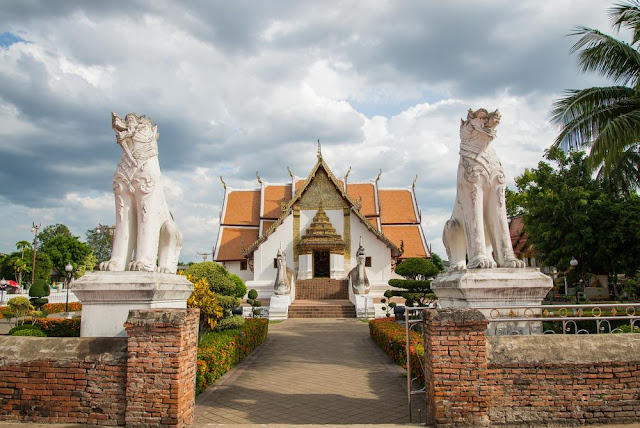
{"x": 145, "y": 230}
{"x": 284, "y": 275}
{"x": 479, "y": 223}
{"x": 358, "y": 275}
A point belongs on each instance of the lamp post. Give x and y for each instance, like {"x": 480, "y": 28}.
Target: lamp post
{"x": 573, "y": 264}
{"x": 69, "y": 270}
{"x": 34, "y": 229}
{"x": 3, "y": 285}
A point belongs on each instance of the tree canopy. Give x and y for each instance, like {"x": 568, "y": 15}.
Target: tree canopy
{"x": 570, "y": 214}
{"x": 416, "y": 287}
{"x": 101, "y": 242}
{"x": 68, "y": 249}
{"x": 52, "y": 231}
{"x": 606, "y": 119}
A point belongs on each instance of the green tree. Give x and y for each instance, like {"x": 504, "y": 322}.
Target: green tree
{"x": 43, "y": 265}
{"x": 437, "y": 262}
{"x": 241, "y": 288}
{"x": 416, "y": 287}
{"x": 569, "y": 214}
{"x": 606, "y": 119}
{"x": 217, "y": 276}
{"x": 101, "y": 241}
{"x": 67, "y": 249}
{"x": 52, "y": 231}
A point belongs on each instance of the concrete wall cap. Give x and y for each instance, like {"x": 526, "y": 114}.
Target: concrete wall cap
{"x": 142, "y": 317}
{"x": 21, "y": 349}
{"x": 455, "y": 316}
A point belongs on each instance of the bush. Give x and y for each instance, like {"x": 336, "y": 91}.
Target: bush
{"x": 23, "y": 327}
{"x": 20, "y": 306}
{"x": 39, "y": 289}
{"x": 241, "y": 289}
{"x": 228, "y": 303}
{"x": 235, "y": 321}
{"x": 59, "y": 327}
{"x": 55, "y": 308}
{"x": 390, "y": 337}
{"x": 219, "y": 351}
{"x": 31, "y": 332}
{"x": 207, "y": 301}
{"x": 217, "y": 276}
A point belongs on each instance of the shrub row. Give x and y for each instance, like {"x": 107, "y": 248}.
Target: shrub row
{"x": 219, "y": 351}
{"x": 390, "y": 337}
{"x": 52, "y": 308}
{"x": 59, "y": 327}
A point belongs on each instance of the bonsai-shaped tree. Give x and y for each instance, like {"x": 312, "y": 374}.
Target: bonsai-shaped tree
{"x": 389, "y": 307}
{"x": 38, "y": 293}
{"x": 254, "y": 302}
{"x": 20, "y": 307}
{"x": 415, "y": 288}
{"x": 207, "y": 301}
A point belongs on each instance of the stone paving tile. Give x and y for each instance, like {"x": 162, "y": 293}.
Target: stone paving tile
{"x": 311, "y": 371}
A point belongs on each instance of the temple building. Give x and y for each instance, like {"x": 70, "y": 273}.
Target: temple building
{"x": 320, "y": 224}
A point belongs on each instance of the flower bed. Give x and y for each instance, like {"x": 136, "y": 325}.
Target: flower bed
{"x": 59, "y": 327}
{"x": 390, "y": 337}
{"x": 53, "y": 308}
{"x": 219, "y": 351}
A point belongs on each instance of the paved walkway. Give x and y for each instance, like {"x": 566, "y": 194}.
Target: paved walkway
{"x": 310, "y": 371}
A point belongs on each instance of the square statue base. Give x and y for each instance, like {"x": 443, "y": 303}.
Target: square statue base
{"x": 279, "y": 307}
{"x": 107, "y": 298}
{"x": 492, "y": 288}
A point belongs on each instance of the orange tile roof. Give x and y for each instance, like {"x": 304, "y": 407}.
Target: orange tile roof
{"x": 272, "y": 197}
{"x": 410, "y": 235}
{"x": 519, "y": 236}
{"x": 299, "y": 183}
{"x": 243, "y": 208}
{"x": 396, "y": 206}
{"x": 366, "y": 191}
{"x": 232, "y": 242}
{"x": 373, "y": 221}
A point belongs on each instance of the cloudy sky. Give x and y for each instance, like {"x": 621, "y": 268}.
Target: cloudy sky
{"x": 240, "y": 86}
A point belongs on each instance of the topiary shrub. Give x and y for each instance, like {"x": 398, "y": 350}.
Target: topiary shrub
{"x": 217, "y": 276}
{"x": 235, "y": 321}
{"x": 30, "y": 332}
{"x": 38, "y": 293}
{"x": 20, "y": 306}
{"x": 241, "y": 289}
{"x": 23, "y": 327}
{"x": 228, "y": 303}
{"x": 254, "y": 302}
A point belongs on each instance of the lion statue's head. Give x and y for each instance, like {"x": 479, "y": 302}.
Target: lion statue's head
{"x": 480, "y": 125}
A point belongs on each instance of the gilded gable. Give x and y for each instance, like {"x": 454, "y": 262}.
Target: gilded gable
{"x": 321, "y": 192}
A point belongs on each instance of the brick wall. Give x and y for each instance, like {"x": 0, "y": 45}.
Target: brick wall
{"x": 475, "y": 380}
{"x": 63, "y": 380}
{"x": 145, "y": 379}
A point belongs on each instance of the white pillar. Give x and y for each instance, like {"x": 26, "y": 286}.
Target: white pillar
{"x": 305, "y": 267}
{"x": 336, "y": 266}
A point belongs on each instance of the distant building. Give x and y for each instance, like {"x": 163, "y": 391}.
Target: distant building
{"x": 319, "y": 221}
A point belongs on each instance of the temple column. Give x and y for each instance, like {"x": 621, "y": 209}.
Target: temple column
{"x": 305, "y": 266}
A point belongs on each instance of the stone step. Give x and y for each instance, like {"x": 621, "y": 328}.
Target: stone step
{"x": 322, "y": 309}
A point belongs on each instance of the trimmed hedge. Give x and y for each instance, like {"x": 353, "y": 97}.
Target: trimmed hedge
{"x": 32, "y": 333}
{"x": 59, "y": 327}
{"x": 219, "y": 351}
{"x": 390, "y": 337}
{"x": 23, "y": 327}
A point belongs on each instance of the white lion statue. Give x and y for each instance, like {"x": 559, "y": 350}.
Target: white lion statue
{"x": 479, "y": 223}
{"x": 145, "y": 230}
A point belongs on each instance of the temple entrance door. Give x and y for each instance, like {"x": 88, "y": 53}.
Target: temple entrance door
{"x": 321, "y": 264}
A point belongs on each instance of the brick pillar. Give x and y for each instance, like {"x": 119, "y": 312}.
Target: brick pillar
{"x": 456, "y": 367}
{"x": 161, "y": 367}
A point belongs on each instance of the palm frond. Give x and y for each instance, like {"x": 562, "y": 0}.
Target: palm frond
{"x": 607, "y": 56}
{"x": 623, "y": 174}
{"x": 627, "y": 15}
{"x": 619, "y": 128}
{"x": 579, "y": 113}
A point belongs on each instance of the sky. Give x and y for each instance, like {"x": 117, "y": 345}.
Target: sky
{"x": 243, "y": 86}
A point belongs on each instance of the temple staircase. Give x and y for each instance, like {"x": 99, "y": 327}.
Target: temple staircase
{"x": 322, "y": 298}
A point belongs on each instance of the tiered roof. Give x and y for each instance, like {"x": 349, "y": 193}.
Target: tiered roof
{"x": 250, "y": 216}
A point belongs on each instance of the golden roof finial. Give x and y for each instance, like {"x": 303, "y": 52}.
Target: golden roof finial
{"x": 290, "y": 173}
{"x": 379, "y": 174}
{"x": 319, "y": 150}
{"x": 413, "y": 186}
{"x": 347, "y": 174}
{"x": 258, "y": 177}
{"x": 223, "y": 183}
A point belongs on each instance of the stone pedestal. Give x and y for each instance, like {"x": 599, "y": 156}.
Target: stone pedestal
{"x": 279, "y": 307}
{"x": 493, "y": 288}
{"x": 107, "y": 297}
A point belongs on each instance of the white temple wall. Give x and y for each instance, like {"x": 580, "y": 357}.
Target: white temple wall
{"x": 234, "y": 267}
{"x": 267, "y": 251}
{"x": 380, "y": 270}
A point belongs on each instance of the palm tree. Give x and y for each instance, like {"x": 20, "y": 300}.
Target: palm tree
{"x": 606, "y": 119}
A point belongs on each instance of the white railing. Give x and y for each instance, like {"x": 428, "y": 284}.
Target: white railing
{"x": 54, "y": 297}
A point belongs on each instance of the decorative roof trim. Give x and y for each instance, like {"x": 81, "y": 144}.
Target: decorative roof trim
{"x": 298, "y": 194}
